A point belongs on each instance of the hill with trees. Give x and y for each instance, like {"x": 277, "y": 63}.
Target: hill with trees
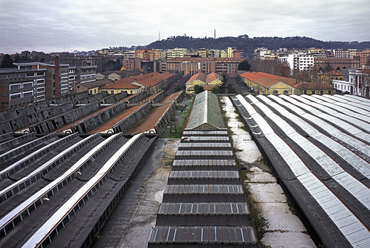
{"x": 247, "y": 45}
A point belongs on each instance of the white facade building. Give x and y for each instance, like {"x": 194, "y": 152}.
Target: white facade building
{"x": 304, "y": 62}
{"x": 343, "y": 86}
{"x": 361, "y": 82}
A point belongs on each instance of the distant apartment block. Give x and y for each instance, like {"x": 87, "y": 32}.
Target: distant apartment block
{"x": 337, "y": 63}
{"x": 364, "y": 57}
{"x": 305, "y": 60}
{"x": 61, "y": 79}
{"x": 341, "y": 53}
{"x": 207, "y": 65}
{"x": 131, "y": 64}
{"x": 86, "y": 74}
{"x": 176, "y": 53}
{"x": 148, "y": 55}
{"x": 21, "y": 87}
{"x": 130, "y": 54}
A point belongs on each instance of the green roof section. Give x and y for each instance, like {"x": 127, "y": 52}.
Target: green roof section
{"x": 206, "y": 113}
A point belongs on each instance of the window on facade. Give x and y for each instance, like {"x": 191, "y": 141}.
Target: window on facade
{"x": 286, "y": 92}
{"x": 321, "y": 92}
{"x": 275, "y": 92}
{"x": 27, "y": 85}
{"x": 112, "y": 92}
{"x": 14, "y": 86}
{"x": 14, "y": 96}
{"x": 27, "y": 93}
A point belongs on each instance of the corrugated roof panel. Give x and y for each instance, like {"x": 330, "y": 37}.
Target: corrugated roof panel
{"x": 290, "y": 157}
{"x": 204, "y": 189}
{"x": 204, "y": 153}
{"x": 332, "y": 112}
{"x": 335, "y": 209}
{"x": 207, "y": 174}
{"x": 338, "y": 107}
{"x": 205, "y": 145}
{"x": 203, "y": 235}
{"x": 362, "y": 101}
{"x": 358, "y": 163}
{"x": 205, "y": 139}
{"x": 350, "y": 128}
{"x": 296, "y": 109}
{"x": 356, "y": 188}
{"x": 361, "y": 146}
{"x": 344, "y": 104}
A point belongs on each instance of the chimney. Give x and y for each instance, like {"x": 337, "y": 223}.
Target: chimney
{"x": 56, "y": 78}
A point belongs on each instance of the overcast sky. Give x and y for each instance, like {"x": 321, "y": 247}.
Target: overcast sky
{"x": 68, "y": 25}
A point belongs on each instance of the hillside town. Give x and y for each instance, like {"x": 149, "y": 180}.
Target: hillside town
{"x": 310, "y": 71}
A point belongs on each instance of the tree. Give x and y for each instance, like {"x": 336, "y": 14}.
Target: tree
{"x": 244, "y": 66}
{"x": 7, "y": 62}
{"x": 198, "y": 89}
{"x": 216, "y": 89}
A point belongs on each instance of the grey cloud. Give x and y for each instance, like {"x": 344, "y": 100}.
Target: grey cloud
{"x": 68, "y": 25}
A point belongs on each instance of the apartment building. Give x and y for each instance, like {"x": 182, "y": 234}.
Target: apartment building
{"x": 230, "y": 52}
{"x": 86, "y": 74}
{"x": 337, "y": 63}
{"x": 61, "y": 79}
{"x": 21, "y": 87}
{"x": 207, "y": 65}
{"x": 130, "y": 54}
{"x": 341, "y": 53}
{"x": 303, "y": 62}
{"x": 364, "y": 57}
{"x": 72, "y": 77}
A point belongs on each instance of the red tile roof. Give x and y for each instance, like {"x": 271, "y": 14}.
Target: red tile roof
{"x": 213, "y": 76}
{"x": 147, "y": 80}
{"x": 199, "y": 76}
{"x": 97, "y": 83}
{"x": 154, "y": 79}
{"x": 124, "y": 83}
{"x": 266, "y": 80}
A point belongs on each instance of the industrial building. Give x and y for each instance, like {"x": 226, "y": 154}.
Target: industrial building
{"x": 319, "y": 149}
{"x": 204, "y": 204}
